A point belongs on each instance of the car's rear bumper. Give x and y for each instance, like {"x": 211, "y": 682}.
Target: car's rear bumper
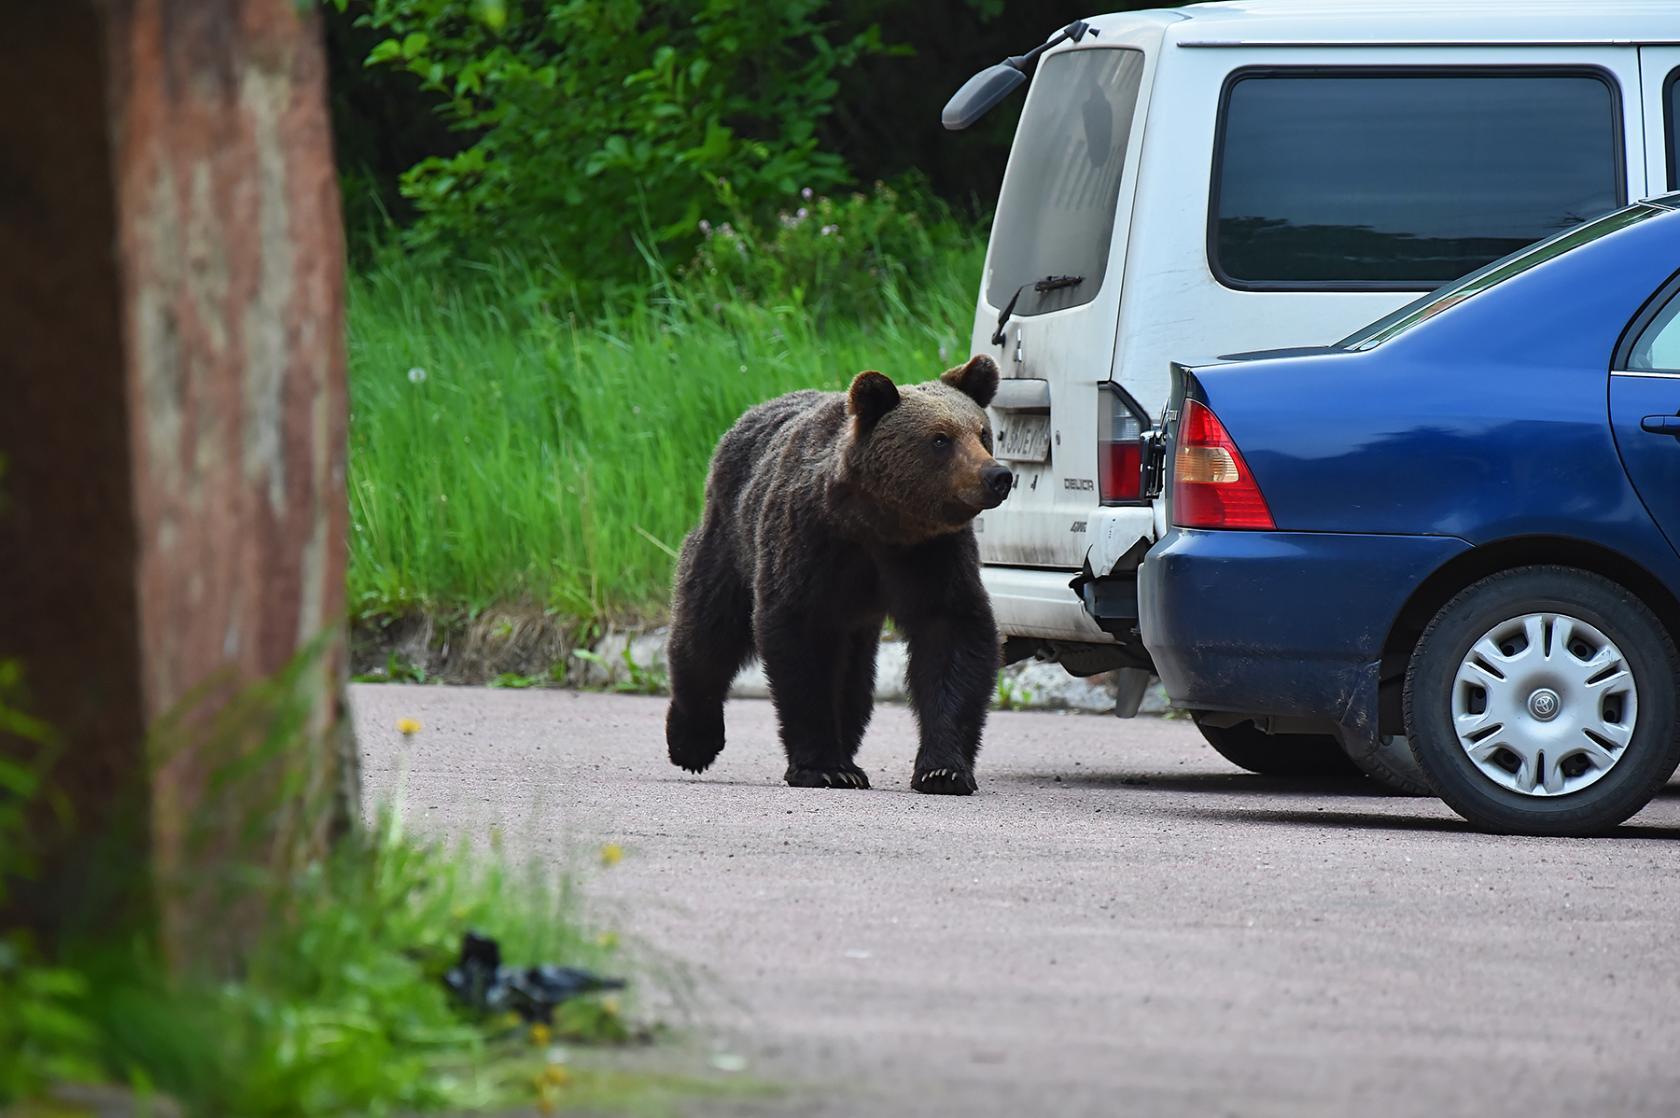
{"x": 1284, "y": 624}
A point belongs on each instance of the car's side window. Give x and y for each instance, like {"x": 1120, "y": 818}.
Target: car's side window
{"x": 1657, "y": 349}
{"x": 1403, "y": 179}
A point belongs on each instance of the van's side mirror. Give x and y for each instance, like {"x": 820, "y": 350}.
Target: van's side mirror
{"x": 979, "y": 95}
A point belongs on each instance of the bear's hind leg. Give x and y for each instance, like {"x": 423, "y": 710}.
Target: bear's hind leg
{"x": 807, "y": 670}
{"x": 711, "y": 637}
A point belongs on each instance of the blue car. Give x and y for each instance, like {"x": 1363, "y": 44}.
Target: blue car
{"x": 1450, "y": 538}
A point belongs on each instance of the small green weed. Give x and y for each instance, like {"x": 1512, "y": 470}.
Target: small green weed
{"x": 513, "y": 681}
{"x": 643, "y": 680}
{"x": 1011, "y": 695}
{"x": 636, "y": 679}
{"x": 396, "y": 670}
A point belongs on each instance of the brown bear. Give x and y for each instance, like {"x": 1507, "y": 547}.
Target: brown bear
{"x": 825, "y": 514}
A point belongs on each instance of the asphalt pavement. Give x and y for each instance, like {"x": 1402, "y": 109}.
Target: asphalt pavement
{"x": 1117, "y": 923}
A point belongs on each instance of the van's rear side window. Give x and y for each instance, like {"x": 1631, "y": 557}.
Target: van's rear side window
{"x": 1397, "y": 179}
{"x": 1056, "y": 212}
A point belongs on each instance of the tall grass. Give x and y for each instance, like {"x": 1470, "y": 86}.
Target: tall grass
{"x": 506, "y": 448}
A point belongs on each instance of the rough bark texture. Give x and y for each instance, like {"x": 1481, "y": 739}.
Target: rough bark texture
{"x": 216, "y": 371}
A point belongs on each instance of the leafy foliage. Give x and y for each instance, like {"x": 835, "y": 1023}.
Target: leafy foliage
{"x": 597, "y": 125}
{"x": 27, "y": 750}
{"x": 43, "y": 1037}
{"x": 883, "y": 121}
{"x": 855, "y": 254}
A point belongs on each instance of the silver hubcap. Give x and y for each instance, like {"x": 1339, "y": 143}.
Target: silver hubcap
{"x": 1544, "y": 704}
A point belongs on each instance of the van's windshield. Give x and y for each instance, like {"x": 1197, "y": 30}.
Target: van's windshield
{"x": 1056, "y": 210}
{"x": 1444, "y": 298}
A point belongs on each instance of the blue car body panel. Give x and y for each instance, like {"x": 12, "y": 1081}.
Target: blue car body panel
{"x": 1488, "y": 423}
{"x": 1652, "y": 459}
{"x": 1280, "y": 623}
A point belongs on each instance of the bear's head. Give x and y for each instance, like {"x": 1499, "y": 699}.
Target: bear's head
{"x": 922, "y": 454}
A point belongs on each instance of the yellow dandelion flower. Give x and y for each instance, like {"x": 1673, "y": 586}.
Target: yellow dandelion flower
{"x": 611, "y": 1006}
{"x": 541, "y": 1035}
{"x": 408, "y": 727}
{"x": 607, "y": 941}
{"x": 556, "y": 1075}
{"x": 612, "y": 854}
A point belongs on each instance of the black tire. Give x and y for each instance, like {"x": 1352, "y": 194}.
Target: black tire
{"x": 1390, "y": 763}
{"x": 1644, "y": 764}
{"x": 1246, "y": 746}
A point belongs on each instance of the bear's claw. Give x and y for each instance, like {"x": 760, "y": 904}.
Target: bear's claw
{"x": 944, "y": 782}
{"x": 848, "y": 777}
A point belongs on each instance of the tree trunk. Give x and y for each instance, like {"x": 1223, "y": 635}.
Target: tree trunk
{"x": 173, "y": 529}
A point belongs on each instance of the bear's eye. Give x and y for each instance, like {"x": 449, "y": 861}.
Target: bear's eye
{"x": 941, "y": 442}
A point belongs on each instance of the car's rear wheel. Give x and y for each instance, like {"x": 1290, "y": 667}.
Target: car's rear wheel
{"x": 1542, "y": 701}
{"x": 1390, "y": 763}
{"x": 1247, "y": 746}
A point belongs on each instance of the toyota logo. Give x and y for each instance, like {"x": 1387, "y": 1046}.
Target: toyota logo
{"x": 1544, "y": 704}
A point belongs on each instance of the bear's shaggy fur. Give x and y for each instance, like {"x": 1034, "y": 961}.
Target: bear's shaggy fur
{"x": 826, "y": 513}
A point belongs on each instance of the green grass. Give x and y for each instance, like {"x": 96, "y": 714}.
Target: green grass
{"x": 554, "y": 460}
{"x": 339, "y": 1010}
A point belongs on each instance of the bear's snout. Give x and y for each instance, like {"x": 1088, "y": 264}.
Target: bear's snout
{"x": 998, "y": 482}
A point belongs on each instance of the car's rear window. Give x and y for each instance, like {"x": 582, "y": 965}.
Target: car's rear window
{"x": 1395, "y": 179}
{"x": 1056, "y": 210}
{"x": 1493, "y": 275}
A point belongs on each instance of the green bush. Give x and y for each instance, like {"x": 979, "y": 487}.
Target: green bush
{"x": 855, "y": 255}
{"x": 597, "y": 125}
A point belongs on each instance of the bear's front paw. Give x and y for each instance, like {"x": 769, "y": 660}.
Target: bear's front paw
{"x": 843, "y": 776}
{"x": 694, "y": 742}
{"x": 944, "y": 782}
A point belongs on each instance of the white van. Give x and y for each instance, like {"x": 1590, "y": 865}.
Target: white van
{"x": 1254, "y": 174}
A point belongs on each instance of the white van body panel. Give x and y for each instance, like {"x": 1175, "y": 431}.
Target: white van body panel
{"x": 1072, "y": 348}
{"x": 1243, "y": 23}
{"x": 1659, "y": 67}
{"x": 1160, "y": 300}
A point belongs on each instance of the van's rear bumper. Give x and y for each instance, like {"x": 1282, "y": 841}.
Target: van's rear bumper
{"x": 1042, "y": 601}
{"x": 1038, "y": 602}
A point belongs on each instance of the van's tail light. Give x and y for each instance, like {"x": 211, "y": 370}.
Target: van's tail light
{"x": 1212, "y": 486}
{"x": 1119, "y": 449}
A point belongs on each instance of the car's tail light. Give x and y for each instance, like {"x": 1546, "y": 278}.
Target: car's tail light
{"x": 1212, "y": 486}
{"x": 1119, "y": 449}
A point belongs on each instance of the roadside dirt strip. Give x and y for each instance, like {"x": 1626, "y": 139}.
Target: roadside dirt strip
{"x": 1118, "y": 923}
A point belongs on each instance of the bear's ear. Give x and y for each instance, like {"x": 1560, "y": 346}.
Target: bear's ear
{"x": 978, "y": 380}
{"x": 872, "y": 395}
